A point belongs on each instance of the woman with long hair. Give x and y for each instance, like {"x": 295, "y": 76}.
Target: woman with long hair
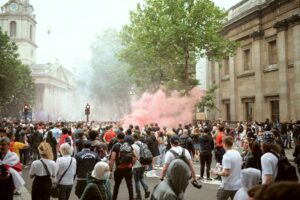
{"x": 53, "y": 143}
{"x": 42, "y": 170}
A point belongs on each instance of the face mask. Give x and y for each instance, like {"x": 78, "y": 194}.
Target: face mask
{"x": 106, "y": 175}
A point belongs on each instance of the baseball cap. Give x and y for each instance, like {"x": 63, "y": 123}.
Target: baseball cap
{"x": 174, "y": 139}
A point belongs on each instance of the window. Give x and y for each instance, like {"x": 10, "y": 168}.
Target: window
{"x": 247, "y": 59}
{"x": 272, "y": 52}
{"x": 227, "y": 110}
{"x": 275, "y": 110}
{"x": 249, "y": 111}
{"x": 13, "y": 29}
{"x": 226, "y": 66}
{"x": 30, "y": 33}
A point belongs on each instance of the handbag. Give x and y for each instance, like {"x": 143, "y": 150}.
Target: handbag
{"x": 54, "y": 188}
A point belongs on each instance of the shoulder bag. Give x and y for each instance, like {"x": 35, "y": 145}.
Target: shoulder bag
{"x": 54, "y": 189}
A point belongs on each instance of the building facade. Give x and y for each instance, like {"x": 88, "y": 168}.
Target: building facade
{"x": 54, "y": 83}
{"x": 262, "y": 79}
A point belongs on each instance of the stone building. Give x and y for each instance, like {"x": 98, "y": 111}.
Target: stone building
{"x": 54, "y": 83}
{"x": 262, "y": 79}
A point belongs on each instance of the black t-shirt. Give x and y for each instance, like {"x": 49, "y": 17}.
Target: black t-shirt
{"x": 116, "y": 149}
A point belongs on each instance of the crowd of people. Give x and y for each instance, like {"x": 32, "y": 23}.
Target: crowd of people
{"x": 90, "y": 155}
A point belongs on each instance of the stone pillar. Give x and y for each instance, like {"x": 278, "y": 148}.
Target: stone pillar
{"x": 257, "y": 67}
{"x": 295, "y": 22}
{"x": 284, "y": 96}
{"x": 233, "y": 89}
{"x": 218, "y": 91}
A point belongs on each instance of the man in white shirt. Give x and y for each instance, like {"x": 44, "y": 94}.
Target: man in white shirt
{"x": 138, "y": 170}
{"x": 269, "y": 161}
{"x": 174, "y": 140}
{"x": 230, "y": 174}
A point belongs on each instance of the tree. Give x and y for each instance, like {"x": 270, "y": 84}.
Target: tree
{"x": 110, "y": 83}
{"x": 16, "y": 83}
{"x": 166, "y": 37}
{"x": 209, "y": 100}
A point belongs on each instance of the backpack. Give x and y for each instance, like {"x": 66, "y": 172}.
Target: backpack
{"x": 145, "y": 154}
{"x": 182, "y": 156}
{"x": 286, "y": 171}
{"x": 125, "y": 154}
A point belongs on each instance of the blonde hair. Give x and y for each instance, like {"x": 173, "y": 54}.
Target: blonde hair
{"x": 45, "y": 150}
{"x": 65, "y": 149}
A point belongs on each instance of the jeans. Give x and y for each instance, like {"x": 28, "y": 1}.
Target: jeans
{"x": 225, "y": 194}
{"x": 119, "y": 174}
{"x": 64, "y": 192}
{"x": 24, "y": 154}
{"x": 79, "y": 188}
{"x": 162, "y": 153}
{"x": 138, "y": 174}
{"x": 219, "y": 152}
{"x": 205, "y": 159}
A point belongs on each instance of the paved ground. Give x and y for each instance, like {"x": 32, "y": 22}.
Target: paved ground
{"x": 208, "y": 190}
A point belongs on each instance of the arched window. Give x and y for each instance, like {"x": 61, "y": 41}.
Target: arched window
{"x": 13, "y": 29}
{"x": 30, "y": 33}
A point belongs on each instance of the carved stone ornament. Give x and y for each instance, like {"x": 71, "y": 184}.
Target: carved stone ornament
{"x": 281, "y": 25}
{"x": 294, "y": 19}
{"x": 257, "y": 34}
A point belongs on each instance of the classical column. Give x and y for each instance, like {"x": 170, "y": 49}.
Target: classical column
{"x": 295, "y": 23}
{"x": 284, "y": 95}
{"x": 218, "y": 90}
{"x": 233, "y": 89}
{"x": 257, "y": 67}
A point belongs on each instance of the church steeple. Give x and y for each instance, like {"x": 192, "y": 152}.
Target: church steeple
{"x": 17, "y": 19}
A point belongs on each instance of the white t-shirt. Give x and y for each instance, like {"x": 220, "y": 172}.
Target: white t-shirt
{"x": 62, "y": 164}
{"x": 37, "y": 168}
{"x": 178, "y": 149}
{"x": 136, "y": 150}
{"x": 269, "y": 166}
{"x": 232, "y": 160}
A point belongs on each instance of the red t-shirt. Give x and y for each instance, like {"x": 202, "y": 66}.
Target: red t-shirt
{"x": 219, "y": 139}
{"x": 109, "y": 135}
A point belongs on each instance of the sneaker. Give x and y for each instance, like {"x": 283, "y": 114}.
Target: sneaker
{"x": 17, "y": 193}
{"x": 209, "y": 179}
{"x": 200, "y": 178}
{"x": 147, "y": 194}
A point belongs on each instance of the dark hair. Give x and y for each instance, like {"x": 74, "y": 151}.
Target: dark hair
{"x": 136, "y": 136}
{"x": 278, "y": 190}
{"x": 221, "y": 128}
{"x": 228, "y": 141}
{"x": 93, "y": 134}
{"x": 255, "y": 148}
{"x": 65, "y": 131}
{"x": 49, "y": 134}
{"x": 87, "y": 144}
{"x": 120, "y": 136}
{"x": 271, "y": 147}
{"x": 80, "y": 134}
{"x": 255, "y": 189}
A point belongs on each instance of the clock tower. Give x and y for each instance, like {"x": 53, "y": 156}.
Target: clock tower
{"x": 18, "y": 21}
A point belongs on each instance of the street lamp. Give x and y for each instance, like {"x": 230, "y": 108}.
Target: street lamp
{"x": 25, "y": 111}
{"x": 87, "y": 111}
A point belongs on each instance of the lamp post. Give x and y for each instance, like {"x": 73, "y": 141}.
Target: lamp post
{"x": 87, "y": 111}
{"x": 25, "y": 111}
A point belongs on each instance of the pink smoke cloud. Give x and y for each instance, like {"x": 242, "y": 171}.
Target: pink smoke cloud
{"x": 164, "y": 110}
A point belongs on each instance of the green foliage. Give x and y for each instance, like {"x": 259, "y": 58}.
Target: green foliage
{"x": 208, "y": 101}
{"x": 111, "y": 84}
{"x": 16, "y": 83}
{"x": 166, "y": 37}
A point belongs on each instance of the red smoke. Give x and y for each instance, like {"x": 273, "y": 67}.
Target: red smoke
{"x": 164, "y": 110}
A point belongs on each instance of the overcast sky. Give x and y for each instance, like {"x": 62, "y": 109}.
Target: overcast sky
{"x": 74, "y": 24}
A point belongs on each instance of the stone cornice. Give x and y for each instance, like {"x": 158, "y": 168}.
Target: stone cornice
{"x": 294, "y": 20}
{"x": 257, "y": 34}
{"x": 281, "y": 25}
